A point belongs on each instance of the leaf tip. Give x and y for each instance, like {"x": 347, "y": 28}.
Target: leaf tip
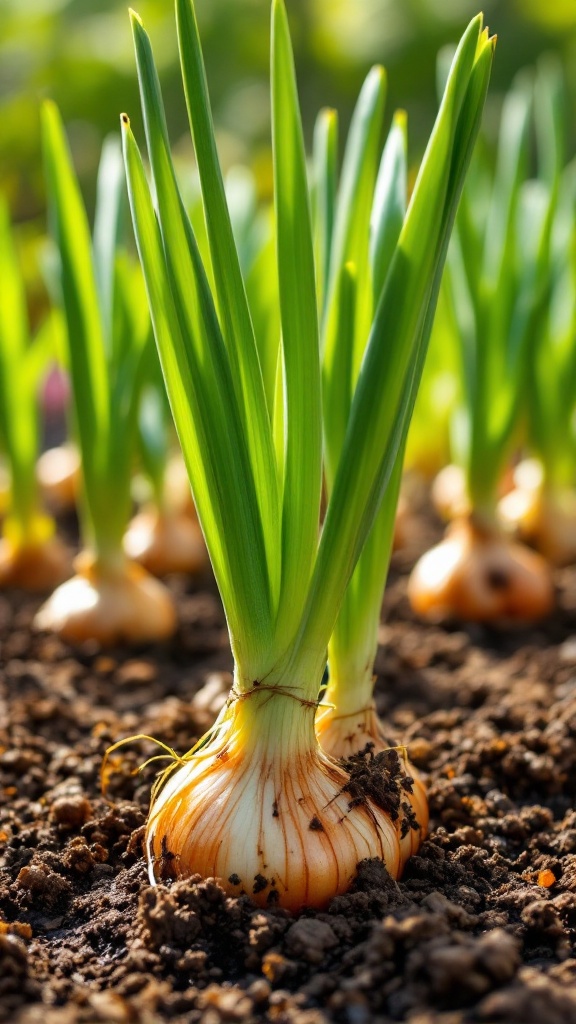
{"x": 125, "y": 121}
{"x": 400, "y": 118}
{"x": 48, "y": 108}
{"x": 135, "y": 18}
{"x": 378, "y": 72}
{"x": 278, "y": 10}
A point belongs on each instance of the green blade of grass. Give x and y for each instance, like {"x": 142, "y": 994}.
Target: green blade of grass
{"x": 198, "y": 380}
{"x": 302, "y": 419}
{"x": 230, "y": 295}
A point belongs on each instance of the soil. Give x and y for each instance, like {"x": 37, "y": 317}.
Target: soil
{"x": 481, "y": 928}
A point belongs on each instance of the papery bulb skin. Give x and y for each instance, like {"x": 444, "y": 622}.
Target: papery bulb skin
{"x": 58, "y": 474}
{"x": 36, "y": 567}
{"x": 264, "y": 811}
{"x": 479, "y": 575}
{"x": 541, "y": 517}
{"x": 343, "y": 735}
{"x": 113, "y": 604}
{"x": 166, "y": 542}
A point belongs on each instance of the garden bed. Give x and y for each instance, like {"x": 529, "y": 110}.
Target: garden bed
{"x": 481, "y": 927}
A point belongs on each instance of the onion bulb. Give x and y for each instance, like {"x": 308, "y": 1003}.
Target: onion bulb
{"x": 479, "y": 575}
{"x": 448, "y": 493}
{"x": 263, "y": 810}
{"x": 543, "y": 517}
{"x": 177, "y": 491}
{"x": 58, "y": 474}
{"x": 111, "y": 603}
{"x": 341, "y": 735}
{"x": 36, "y": 562}
{"x": 165, "y": 542}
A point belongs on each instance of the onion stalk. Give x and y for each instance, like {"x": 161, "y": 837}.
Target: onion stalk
{"x": 110, "y": 599}
{"x": 257, "y": 804}
{"x": 359, "y": 236}
{"x": 31, "y": 555}
{"x": 495, "y": 283}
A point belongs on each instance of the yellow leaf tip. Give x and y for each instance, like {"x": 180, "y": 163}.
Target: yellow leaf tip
{"x": 134, "y": 16}
{"x": 125, "y": 120}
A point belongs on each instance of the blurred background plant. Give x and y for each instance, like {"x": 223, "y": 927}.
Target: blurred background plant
{"x": 79, "y": 52}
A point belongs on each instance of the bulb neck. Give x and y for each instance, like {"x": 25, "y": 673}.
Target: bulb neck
{"x": 349, "y": 690}
{"x": 275, "y": 721}
{"x": 97, "y": 564}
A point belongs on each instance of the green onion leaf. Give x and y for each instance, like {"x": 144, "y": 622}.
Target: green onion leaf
{"x": 198, "y": 379}
{"x": 302, "y": 414}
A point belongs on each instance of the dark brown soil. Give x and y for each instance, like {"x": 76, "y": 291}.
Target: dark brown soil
{"x": 480, "y": 929}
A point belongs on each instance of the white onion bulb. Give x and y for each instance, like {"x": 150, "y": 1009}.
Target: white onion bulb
{"x": 263, "y": 810}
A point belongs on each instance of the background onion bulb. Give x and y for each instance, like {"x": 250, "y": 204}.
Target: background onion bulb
{"x": 540, "y": 513}
{"x": 479, "y": 575}
{"x": 264, "y": 810}
{"x": 111, "y": 603}
{"x": 166, "y": 542}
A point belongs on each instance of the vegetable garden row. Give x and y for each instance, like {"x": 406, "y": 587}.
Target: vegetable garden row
{"x": 299, "y": 370}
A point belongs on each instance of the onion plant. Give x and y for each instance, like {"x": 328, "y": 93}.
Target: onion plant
{"x": 110, "y": 599}
{"x": 495, "y": 282}
{"x": 358, "y": 229}
{"x": 542, "y": 505}
{"x": 31, "y": 555}
{"x": 256, "y": 803}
